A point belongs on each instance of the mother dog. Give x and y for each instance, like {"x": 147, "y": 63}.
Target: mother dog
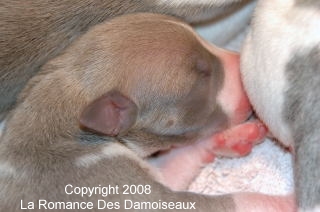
{"x": 281, "y": 73}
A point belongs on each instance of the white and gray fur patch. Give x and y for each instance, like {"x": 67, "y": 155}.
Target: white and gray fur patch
{"x": 302, "y": 104}
{"x": 109, "y": 151}
{"x": 264, "y": 59}
{"x": 6, "y": 169}
{"x": 114, "y": 150}
{"x": 281, "y": 73}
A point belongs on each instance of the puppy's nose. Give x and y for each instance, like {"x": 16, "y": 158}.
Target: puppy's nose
{"x": 233, "y": 97}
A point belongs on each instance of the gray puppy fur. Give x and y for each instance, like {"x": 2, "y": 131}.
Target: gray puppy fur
{"x": 302, "y": 100}
{"x": 32, "y": 32}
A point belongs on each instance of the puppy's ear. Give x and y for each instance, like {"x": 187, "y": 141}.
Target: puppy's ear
{"x": 110, "y": 114}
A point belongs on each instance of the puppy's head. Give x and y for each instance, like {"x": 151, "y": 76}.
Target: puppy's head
{"x": 152, "y": 81}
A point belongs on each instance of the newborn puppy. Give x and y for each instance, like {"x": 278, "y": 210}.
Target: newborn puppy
{"x": 281, "y": 73}
{"x": 137, "y": 84}
{"x": 32, "y": 32}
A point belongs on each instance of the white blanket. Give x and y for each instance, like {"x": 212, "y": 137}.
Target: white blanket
{"x": 268, "y": 169}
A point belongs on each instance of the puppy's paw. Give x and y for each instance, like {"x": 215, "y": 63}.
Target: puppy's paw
{"x": 236, "y": 141}
{"x": 180, "y": 165}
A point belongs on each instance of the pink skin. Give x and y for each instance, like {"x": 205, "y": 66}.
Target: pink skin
{"x": 180, "y": 165}
{"x": 232, "y": 97}
{"x": 239, "y": 140}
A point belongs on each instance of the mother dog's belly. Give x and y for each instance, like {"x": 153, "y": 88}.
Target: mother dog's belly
{"x": 265, "y": 87}
{"x": 270, "y": 46}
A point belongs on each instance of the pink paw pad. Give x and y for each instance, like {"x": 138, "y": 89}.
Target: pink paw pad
{"x": 239, "y": 140}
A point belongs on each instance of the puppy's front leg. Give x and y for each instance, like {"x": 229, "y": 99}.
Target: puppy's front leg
{"x": 180, "y": 165}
